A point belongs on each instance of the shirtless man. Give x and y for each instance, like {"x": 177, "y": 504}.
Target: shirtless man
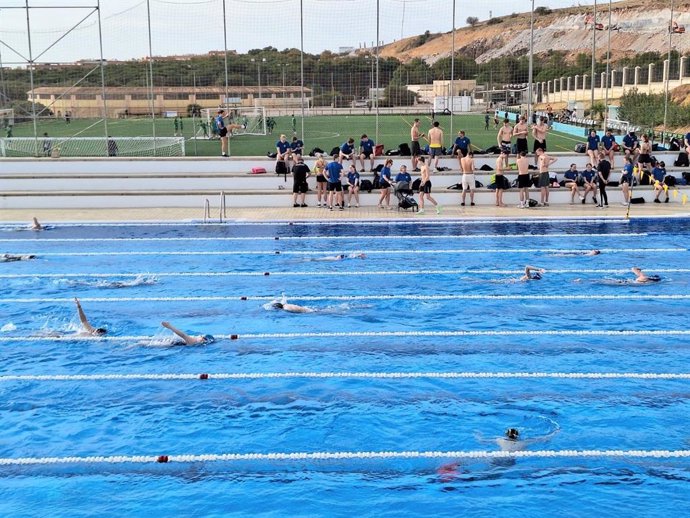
{"x": 468, "y": 182}
{"x": 504, "y": 139}
{"x": 425, "y": 187}
{"x": 415, "y": 135}
{"x": 500, "y": 180}
{"x": 524, "y": 179}
{"x": 88, "y": 328}
{"x": 544, "y": 161}
{"x": 520, "y": 132}
{"x": 435, "y": 145}
{"x": 539, "y": 133}
{"x": 188, "y": 340}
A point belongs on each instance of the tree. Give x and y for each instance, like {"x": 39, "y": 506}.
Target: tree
{"x": 472, "y": 20}
{"x": 541, "y": 11}
{"x": 394, "y": 95}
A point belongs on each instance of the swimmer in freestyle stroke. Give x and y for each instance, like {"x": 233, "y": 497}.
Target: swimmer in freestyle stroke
{"x": 189, "y": 339}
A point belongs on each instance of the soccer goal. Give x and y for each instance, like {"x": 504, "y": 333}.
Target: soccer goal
{"x": 239, "y": 121}
{"x": 92, "y": 146}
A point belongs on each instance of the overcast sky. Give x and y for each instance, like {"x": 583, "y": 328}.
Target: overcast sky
{"x": 196, "y": 26}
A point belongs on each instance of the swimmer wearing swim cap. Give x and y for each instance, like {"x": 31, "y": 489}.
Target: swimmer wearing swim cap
{"x": 532, "y": 273}
{"x": 641, "y": 278}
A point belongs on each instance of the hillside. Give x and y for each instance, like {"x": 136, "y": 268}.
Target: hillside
{"x": 642, "y": 26}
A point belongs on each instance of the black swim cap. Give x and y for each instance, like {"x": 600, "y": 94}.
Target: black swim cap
{"x": 277, "y": 305}
{"x": 512, "y": 433}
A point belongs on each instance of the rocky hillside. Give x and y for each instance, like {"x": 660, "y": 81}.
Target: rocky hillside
{"x": 641, "y": 26}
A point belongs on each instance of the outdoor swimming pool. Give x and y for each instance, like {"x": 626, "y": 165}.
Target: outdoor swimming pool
{"x": 428, "y": 298}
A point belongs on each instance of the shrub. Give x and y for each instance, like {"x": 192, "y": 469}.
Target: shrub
{"x": 494, "y": 21}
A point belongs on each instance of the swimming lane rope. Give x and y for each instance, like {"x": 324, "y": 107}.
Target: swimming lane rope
{"x": 314, "y": 273}
{"x": 329, "y": 238}
{"x": 555, "y": 251}
{"x": 345, "y": 455}
{"x": 361, "y": 334}
{"x": 316, "y": 298}
{"x": 348, "y": 375}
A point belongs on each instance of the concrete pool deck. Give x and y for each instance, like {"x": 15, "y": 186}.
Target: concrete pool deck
{"x": 647, "y": 210}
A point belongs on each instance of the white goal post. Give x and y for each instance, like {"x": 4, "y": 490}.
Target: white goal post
{"x": 92, "y": 146}
{"x": 239, "y": 121}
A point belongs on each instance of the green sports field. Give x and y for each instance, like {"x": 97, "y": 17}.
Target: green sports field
{"x": 324, "y": 132}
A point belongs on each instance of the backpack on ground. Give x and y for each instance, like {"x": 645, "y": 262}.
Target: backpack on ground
{"x": 392, "y": 152}
{"x": 281, "y": 168}
{"x": 486, "y": 167}
{"x": 636, "y": 201}
{"x": 416, "y": 184}
{"x": 532, "y": 203}
{"x": 258, "y": 170}
{"x": 404, "y": 149}
{"x": 316, "y": 150}
{"x": 492, "y": 150}
{"x": 580, "y": 148}
{"x": 478, "y": 184}
{"x": 682, "y": 160}
{"x": 335, "y": 152}
{"x": 455, "y": 187}
{"x": 366, "y": 185}
{"x": 670, "y": 180}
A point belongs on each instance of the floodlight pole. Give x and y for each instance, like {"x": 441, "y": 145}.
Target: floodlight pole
{"x": 31, "y": 79}
{"x": 594, "y": 50}
{"x": 301, "y": 59}
{"x": 103, "y": 90}
{"x": 530, "y": 72}
{"x": 225, "y": 48}
{"x": 608, "y": 73}
{"x": 668, "y": 70}
{"x": 376, "y": 94}
{"x": 151, "y": 98}
{"x": 3, "y": 91}
{"x": 452, "y": 74}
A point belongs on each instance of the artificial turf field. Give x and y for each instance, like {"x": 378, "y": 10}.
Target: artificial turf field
{"x": 324, "y": 132}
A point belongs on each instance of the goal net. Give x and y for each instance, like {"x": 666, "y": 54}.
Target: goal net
{"x": 92, "y": 146}
{"x": 6, "y": 118}
{"x": 239, "y": 121}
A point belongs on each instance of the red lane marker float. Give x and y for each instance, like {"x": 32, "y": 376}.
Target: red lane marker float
{"x": 233, "y": 337}
{"x": 266, "y": 274}
{"x": 243, "y": 298}
{"x": 203, "y": 376}
{"x": 162, "y": 459}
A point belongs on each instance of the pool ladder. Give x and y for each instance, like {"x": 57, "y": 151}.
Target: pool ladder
{"x": 222, "y": 215}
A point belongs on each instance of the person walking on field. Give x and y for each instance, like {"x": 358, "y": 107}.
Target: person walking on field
{"x": 425, "y": 187}
{"x": 435, "y": 144}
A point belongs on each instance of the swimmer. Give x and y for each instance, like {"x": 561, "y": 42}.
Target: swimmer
{"x": 139, "y": 280}
{"x": 641, "y": 278}
{"x": 35, "y": 225}
{"x": 532, "y": 273}
{"x": 340, "y": 257}
{"x": 511, "y": 441}
{"x": 10, "y": 258}
{"x": 88, "y": 328}
{"x": 189, "y": 340}
{"x": 577, "y": 253}
{"x": 291, "y": 308}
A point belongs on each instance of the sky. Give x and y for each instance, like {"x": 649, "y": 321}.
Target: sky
{"x": 181, "y": 27}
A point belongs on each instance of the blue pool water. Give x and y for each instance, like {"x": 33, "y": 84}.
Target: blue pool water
{"x": 416, "y": 279}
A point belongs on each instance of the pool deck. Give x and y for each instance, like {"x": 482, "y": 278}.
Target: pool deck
{"x": 647, "y": 210}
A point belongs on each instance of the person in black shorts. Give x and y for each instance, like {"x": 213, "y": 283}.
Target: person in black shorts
{"x": 603, "y": 172}
{"x": 300, "y": 173}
